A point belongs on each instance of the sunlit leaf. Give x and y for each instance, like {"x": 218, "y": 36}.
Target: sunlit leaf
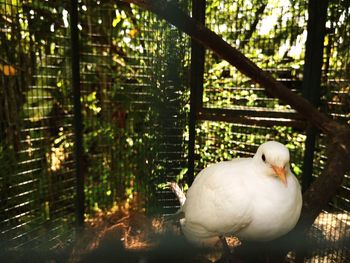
{"x": 8, "y": 70}
{"x": 133, "y": 32}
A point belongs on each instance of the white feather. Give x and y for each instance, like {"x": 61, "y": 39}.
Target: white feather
{"x": 243, "y": 197}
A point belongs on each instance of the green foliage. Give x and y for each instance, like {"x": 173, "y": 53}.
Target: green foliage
{"x": 126, "y": 123}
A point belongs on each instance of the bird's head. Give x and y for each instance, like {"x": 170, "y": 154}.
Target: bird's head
{"x": 273, "y": 157}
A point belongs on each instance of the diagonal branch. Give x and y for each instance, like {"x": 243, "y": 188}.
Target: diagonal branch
{"x": 211, "y": 40}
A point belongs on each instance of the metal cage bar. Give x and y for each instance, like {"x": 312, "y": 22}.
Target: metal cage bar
{"x": 78, "y": 124}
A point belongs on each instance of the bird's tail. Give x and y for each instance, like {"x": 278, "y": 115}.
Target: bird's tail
{"x": 176, "y": 189}
{"x": 178, "y": 192}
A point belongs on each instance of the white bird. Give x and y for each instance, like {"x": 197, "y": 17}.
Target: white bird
{"x": 256, "y": 199}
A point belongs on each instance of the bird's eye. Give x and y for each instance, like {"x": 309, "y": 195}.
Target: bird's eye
{"x": 263, "y": 157}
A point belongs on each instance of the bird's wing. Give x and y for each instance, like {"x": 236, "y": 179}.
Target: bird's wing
{"x": 217, "y": 201}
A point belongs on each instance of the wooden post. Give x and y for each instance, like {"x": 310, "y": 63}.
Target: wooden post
{"x": 317, "y": 11}
{"x": 196, "y": 96}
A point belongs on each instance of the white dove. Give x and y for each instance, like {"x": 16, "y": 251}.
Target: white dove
{"x": 256, "y": 199}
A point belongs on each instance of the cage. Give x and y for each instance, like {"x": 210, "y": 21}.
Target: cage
{"x": 103, "y": 102}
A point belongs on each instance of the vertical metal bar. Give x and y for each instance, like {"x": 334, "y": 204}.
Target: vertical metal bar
{"x": 312, "y": 76}
{"x": 196, "y": 96}
{"x": 78, "y": 127}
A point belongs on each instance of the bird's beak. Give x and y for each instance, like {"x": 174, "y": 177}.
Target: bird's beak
{"x": 281, "y": 173}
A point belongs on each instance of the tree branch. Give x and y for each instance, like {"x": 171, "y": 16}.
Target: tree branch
{"x": 211, "y": 40}
{"x": 257, "y": 17}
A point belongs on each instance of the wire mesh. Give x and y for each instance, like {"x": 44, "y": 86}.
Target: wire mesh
{"x": 134, "y": 92}
{"x": 37, "y": 169}
{"x": 331, "y": 228}
{"x": 272, "y": 34}
{"x": 134, "y": 88}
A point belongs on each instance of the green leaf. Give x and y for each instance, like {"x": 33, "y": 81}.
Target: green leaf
{"x": 181, "y": 175}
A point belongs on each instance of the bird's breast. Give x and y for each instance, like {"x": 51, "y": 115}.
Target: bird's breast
{"x": 275, "y": 212}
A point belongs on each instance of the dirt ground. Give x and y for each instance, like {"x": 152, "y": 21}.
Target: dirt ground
{"x": 126, "y": 234}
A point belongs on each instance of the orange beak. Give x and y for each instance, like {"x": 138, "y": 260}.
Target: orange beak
{"x": 281, "y": 173}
